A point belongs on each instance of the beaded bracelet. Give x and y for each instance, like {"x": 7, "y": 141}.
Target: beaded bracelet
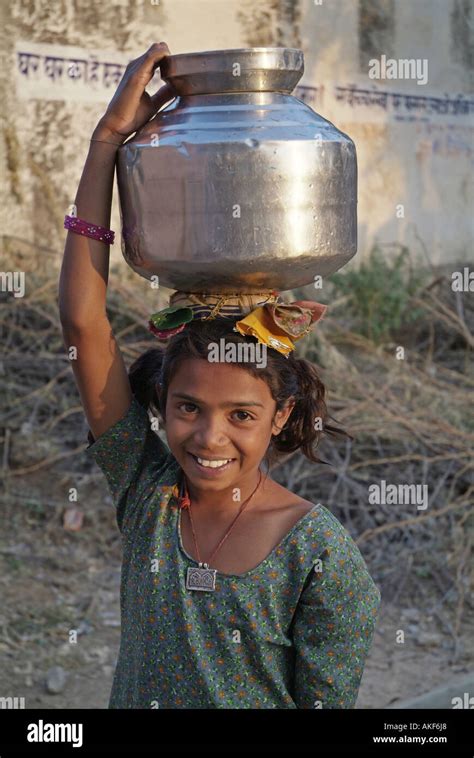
{"x": 95, "y": 231}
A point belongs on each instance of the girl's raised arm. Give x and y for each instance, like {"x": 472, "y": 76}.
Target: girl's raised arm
{"x": 97, "y": 362}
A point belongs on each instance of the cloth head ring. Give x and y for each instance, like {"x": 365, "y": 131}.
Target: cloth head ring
{"x": 266, "y": 316}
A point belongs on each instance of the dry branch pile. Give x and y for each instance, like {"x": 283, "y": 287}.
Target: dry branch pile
{"x": 413, "y": 423}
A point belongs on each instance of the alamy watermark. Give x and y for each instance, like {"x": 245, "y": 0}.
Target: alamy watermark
{"x": 399, "y": 494}
{"x": 48, "y": 732}
{"x": 242, "y": 352}
{"x": 462, "y": 281}
{"x": 13, "y": 281}
{"x": 12, "y": 702}
{"x": 403, "y": 68}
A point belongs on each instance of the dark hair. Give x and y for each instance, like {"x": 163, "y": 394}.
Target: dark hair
{"x": 150, "y": 376}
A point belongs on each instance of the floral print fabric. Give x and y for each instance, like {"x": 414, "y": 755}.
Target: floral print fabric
{"x": 294, "y": 632}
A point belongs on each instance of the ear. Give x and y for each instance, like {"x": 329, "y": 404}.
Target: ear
{"x": 281, "y": 417}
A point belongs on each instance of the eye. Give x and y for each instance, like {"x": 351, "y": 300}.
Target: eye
{"x": 187, "y": 404}
{"x": 249, "y": 417}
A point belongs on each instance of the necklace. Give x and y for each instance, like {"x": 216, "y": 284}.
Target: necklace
{"x": 202, "y": 577}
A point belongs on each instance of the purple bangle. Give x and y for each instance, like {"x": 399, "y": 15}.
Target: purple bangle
{"x": 95, "y": 231}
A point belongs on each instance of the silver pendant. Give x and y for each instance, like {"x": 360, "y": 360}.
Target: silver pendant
{"x": 203, "y": 579}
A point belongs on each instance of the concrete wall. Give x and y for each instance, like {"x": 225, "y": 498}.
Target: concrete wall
{"x": 414, "y": 141}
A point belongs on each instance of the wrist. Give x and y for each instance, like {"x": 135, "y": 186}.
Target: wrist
{"x": 102, "y": 132}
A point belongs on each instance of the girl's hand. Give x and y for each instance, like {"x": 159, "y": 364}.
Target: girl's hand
{"x": 131, "y": 107}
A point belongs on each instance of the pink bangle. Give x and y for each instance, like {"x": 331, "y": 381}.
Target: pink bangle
{"x": 95, "y": 231}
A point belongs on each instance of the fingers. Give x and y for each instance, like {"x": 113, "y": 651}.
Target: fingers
{"x": 150, "y": 60}
{"x": 141, "y": 70}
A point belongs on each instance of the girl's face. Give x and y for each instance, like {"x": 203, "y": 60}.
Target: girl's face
{"x": 219, "y": 411}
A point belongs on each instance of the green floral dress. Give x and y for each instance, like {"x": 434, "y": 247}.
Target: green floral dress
{"x": 293, "y": 632}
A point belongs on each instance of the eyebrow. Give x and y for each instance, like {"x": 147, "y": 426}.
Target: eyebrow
{"x": 223, "y": 405}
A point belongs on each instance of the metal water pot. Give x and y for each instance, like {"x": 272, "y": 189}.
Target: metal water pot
{"x": 237, "y": 186}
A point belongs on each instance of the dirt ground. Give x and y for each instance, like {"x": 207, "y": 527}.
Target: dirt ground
{"x": 53, "y": 580}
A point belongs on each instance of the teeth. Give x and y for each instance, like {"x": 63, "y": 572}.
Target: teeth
{"x": 212, "y": 464}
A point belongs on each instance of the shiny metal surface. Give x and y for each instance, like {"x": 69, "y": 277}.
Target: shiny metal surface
{"x": 237, "y": 186}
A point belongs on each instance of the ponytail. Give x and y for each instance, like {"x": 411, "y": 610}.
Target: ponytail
{"x": 308, "y": 419}
{"x": 144, "y": 376}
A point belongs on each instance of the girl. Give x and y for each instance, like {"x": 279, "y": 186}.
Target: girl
{"x": 235, "y": 592}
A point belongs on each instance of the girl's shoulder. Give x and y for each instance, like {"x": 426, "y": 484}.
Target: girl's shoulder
{"x": 330, "y": 533}
{"x": 281, "y": 498}
{"x": 284, "y": 508}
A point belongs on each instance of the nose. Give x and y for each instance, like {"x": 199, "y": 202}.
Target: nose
{"x": 210, "y": 434}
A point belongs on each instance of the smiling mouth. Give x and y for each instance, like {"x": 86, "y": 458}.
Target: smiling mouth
{"x": 212, "y": 462}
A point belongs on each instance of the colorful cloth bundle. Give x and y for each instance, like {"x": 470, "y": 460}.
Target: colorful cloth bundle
{"x": 265, "y": 315}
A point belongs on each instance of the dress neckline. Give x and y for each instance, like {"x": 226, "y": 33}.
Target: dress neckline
{"x": 261, "y": 565}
